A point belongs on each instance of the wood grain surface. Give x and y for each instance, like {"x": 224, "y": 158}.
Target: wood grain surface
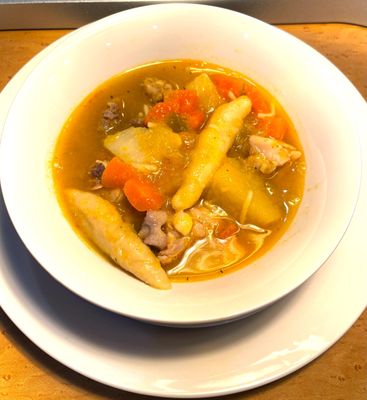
{"x": 27, "y": 373}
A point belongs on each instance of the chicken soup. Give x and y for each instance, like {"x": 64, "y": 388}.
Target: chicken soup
{"x": 179, "y": 170}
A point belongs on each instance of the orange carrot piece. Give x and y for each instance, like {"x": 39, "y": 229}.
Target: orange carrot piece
{"x": 276, "y": 127}
{"x": 143, "y": 195}
{"x": 117, "y": 173}
{"x": 227, "y": 85}
{"x": 259, "y": 104}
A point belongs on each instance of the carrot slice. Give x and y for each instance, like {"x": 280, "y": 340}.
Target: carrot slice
{"x": 117, "y": 173}
{"x": 228, "y": 86}
{"x": 143, "y": 195}
{"x": 259, "y": 104}
{"x": 276, "y": 127}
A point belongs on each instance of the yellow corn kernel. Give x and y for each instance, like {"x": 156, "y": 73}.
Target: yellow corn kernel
{"x": 182, "y": 222}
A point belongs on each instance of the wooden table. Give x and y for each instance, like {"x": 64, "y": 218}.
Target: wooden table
{"x": 27, "y": 373}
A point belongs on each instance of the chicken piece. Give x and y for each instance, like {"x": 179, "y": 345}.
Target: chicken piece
{"x": 214, "y": 141}
{"x": 151, "y": 229}
{"x": 267, "y": 153}
{"x": 198, "y": 230}
{"x": 112, "y": 111}
{"x": 209, "y": 221}
{"x": 155, "y": 88}
{"x": 112, "y": 115}
{"x": 202, "y": 215}
{"x": 175, "y": 247}
{"x": 105, "y": 227}
{"x": 261, "y": 163}
{"x": 97, "y": 169}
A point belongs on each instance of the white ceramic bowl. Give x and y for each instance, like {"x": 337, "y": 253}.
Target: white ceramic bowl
{"x": 325, "y": 108}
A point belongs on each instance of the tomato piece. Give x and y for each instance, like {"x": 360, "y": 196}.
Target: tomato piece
{"x": 160, "y": 112}
{"x": 183, "y": 103}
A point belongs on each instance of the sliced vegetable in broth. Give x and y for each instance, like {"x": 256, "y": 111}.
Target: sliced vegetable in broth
{"x": 202, "y": 166}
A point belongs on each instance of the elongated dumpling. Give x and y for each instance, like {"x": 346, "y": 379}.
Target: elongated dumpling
{"x": 214, "y": 141}
{"x": 103, "y": 224}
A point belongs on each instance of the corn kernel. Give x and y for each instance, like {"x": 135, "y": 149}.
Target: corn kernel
{"x": 182, "y": 222}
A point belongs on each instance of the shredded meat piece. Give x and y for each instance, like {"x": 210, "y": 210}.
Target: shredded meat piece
{"x": 112, "y": 115}
{"x": 175, "y": 247}
{"x": 267, "y": 153}
{"x": 112, "y": 111}
{"x": 96, "y": 172}
{"x": 137, "y": 122}
{"x": 155, "y": 88}
{"x": 97, "y": 169}
{"x": 204, "y": 220}
{"x": 198, "y": 230}
{"x": 151, "y": 229}
{"x": 260, "y": 162}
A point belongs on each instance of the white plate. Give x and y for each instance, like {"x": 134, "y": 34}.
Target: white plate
{"x": 183, "y": 362}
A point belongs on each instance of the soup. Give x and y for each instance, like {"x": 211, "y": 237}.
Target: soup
{"x": 179, "y": 170}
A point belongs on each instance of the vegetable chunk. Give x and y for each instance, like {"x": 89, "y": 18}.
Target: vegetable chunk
{"x": 144, "y": 148}
{"x": 182, "y": 103}
{"x": 209, "y": 98}
{"x": 117, "y": 173}
{"x": 242, "y": 193}
{"x": 104, "y": 226}
{"x": 143, "y": 195}
{"x": 214, "y": 141}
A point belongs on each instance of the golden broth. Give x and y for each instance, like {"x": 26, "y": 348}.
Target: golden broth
{"x": 81, "y": 143}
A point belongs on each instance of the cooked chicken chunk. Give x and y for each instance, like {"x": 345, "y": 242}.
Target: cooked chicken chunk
{"x": 151, "y": 229}
{"x": 214, "y": 141}
{"x": 105, "y": 227}
{"x": 113, "y": 111}
{"x": 112, "y": 115}
{"x": 267, "y": 153}
{"x": 155, "y": 88}
{"x": 175, "y": 247}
